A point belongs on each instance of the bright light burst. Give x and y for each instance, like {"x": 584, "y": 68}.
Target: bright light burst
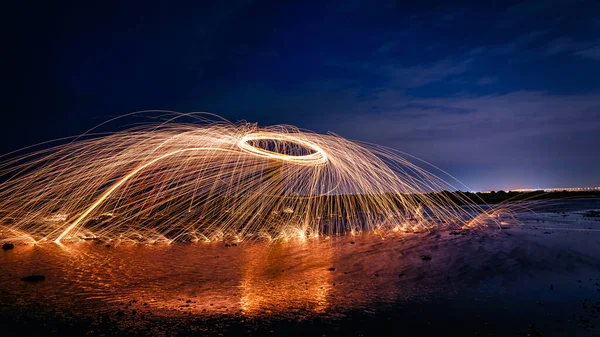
{"x": 215, "y": 180}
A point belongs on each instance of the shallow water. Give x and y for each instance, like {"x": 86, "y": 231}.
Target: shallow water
{"x": 544, "y": 272}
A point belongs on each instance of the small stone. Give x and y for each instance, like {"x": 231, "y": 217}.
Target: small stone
{"x": 331, "y": 269}
{"x": 8, "y": 246}
{"x": 33, "y": 278}
{"x": 425, "y": 257}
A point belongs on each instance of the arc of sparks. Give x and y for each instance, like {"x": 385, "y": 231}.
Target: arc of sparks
{"x": 319, "y": 157}
{"x": 274, "y": 182}
{"x": 121, "y": 182}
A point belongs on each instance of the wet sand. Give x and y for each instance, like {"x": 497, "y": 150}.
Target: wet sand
{"x": 538, "y": 275}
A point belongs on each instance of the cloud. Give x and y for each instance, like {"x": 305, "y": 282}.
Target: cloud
{"x": 592, "y": 53}
{"x": 386, "y": 47}
{"x": 519, "y": 42}
{"x": 568, "y": 44}
{"x": 487, "y": 80}
{"x": 533, "y": 35}
{"x": 390, "y": 74}
{"x": 420, "y": 75}
{"x": 490, "y": 130}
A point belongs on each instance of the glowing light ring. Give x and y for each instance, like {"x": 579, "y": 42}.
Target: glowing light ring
{"x": 318, "y": 157}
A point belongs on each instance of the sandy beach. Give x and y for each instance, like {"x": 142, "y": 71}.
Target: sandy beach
{"x": 537, "y": 275}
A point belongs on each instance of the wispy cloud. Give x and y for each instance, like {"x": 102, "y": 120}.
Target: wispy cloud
{"x": 386, "y": 47}
{"x": 422, "y": 74}
{"x": 592, "y": 53}
{"x": 487, "y": 80}
{"x": 489, "y": 129}
{"x": 390, "y": 74}
{"x": 568, "y": 44}
{"x": 520, "y": 42}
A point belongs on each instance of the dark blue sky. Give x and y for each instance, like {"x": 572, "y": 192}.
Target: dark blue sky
{"x": 501, "y": 95}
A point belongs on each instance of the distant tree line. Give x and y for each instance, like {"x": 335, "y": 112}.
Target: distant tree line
{"x": 496, "y": 197}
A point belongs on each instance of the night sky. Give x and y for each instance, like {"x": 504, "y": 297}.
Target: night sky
{"x": 502, "y": 96}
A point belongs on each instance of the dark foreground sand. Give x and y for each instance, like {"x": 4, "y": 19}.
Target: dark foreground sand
{"x": 540, "y": 277}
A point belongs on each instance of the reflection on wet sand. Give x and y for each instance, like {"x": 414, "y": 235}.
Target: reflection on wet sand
{"x": 294, "y": 279}
{"x": 327, "y": 279}
{"x": 275, "y": 279}
{"x": 250, "y": 279}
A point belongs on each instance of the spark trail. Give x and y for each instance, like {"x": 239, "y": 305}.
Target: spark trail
{"x": 213, "y": 180}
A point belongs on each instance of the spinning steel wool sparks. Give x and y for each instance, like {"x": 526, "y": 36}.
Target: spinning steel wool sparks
{"x": 214, "y": 180}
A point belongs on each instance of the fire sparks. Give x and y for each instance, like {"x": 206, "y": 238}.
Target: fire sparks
{"x": 216, "y": 180}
